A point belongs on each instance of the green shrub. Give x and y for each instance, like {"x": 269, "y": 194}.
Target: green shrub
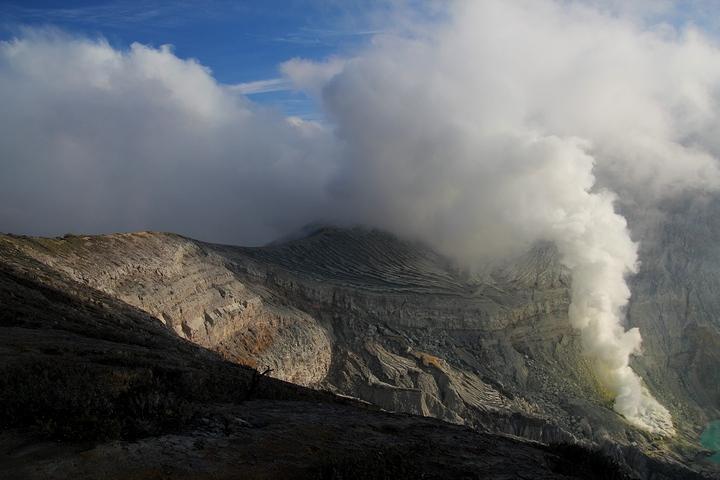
{"x": 387, "y": 463}
{"x": 576, "y": 460}
{"x": 71, "y": 401}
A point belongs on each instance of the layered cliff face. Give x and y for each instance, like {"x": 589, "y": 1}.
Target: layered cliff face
{"x": 675, "y": 304}
{"x": 91, "y": 387}
{"x": 391, "y": 322}
{"x": 191, "y": 290}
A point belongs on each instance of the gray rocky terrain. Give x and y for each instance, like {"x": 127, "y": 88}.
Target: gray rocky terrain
{"x": 94, "y": 388}
{"x": 363, "y": 314}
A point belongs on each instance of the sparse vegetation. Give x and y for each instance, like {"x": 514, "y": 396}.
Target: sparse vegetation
{"x": 71, "y": 401}
{"x": 381, "y": 464}
{"x": 576, "y": 460}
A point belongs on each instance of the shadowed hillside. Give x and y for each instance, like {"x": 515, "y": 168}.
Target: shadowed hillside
{"x": 356, "y": 312}
{"x": 121, "y": 396}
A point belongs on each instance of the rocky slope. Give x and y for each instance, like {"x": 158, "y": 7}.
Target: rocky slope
{"x": 92, "y": 387}
{"x": 367, "y": 315}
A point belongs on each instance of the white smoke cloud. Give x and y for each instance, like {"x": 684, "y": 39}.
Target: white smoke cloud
{"x": 93, "y": 139}
{"x": 487, "y": 133}
{"x": 310, "y": 76}
{"x": 503, "y": 124}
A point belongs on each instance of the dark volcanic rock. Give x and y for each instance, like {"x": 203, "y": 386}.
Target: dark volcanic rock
{"x": 91, "y": 387}
{"x": 365, "y": 315}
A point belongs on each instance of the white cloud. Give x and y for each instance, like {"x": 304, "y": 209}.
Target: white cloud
{"x": 94, "y": 139}
{"x": 310, "y": 76}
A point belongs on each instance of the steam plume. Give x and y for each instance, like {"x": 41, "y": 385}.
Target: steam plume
{"x": 486, "y": 133}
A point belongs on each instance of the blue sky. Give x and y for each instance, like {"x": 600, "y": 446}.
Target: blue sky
{"x": 244, "y": 41}
{"x": 241, "y": 41}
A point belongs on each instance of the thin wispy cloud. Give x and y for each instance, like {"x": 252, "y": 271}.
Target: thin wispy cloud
{"x": 114, "y": 14}
{"x": 322, "y": 36}
{"x": 262, "y": 86}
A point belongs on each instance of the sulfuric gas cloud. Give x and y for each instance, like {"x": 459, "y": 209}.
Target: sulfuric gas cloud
{"x": 502, "y": 124}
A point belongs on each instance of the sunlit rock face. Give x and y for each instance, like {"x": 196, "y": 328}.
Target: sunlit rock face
{"x": 392, "y": 322}
{"x": 192, "y": 291}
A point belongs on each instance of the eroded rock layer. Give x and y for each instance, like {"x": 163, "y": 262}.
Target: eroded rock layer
{"x": 364, "y": 314}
